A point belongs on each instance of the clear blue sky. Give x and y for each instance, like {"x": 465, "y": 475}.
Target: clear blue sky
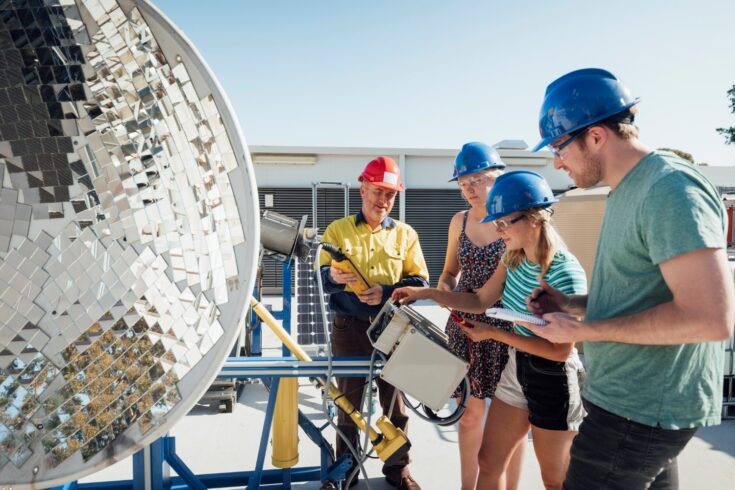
{"x": 438, "y": 73}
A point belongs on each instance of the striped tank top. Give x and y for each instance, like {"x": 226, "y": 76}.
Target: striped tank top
{"x": 565, "y": 274}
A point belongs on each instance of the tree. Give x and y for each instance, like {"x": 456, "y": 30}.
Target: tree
{"x": 729, "y": 133}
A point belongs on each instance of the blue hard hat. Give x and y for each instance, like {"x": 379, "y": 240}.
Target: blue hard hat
{"x": 516, "y": 191}
{"x": 580, "y": 99}
{"x": 474, "y": 157}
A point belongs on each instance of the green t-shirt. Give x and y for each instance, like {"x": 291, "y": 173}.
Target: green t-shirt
{"x": 662, "y": 208}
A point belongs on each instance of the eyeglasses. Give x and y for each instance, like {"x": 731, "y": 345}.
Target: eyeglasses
{"x": 475, "y": 181}
{"x": 502, "y": 224}
{"x": 556, "y": 150}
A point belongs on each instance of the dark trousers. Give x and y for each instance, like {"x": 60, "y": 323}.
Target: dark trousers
{"x": 611, "y": 453}
{"x": 349, "y": 338}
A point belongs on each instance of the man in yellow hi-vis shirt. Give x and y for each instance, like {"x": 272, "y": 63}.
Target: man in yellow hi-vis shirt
{"x": 388, "y": 254}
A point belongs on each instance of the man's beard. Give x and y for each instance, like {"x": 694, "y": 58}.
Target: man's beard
{"x": 591, "y": 172}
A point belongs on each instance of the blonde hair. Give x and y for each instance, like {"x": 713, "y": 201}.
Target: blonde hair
{"x": 625, "y": 130}
{"x": 493, "y": 173}
{"x": 549, "y": 241}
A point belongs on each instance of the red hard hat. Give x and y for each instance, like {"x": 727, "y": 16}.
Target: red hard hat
{"x": 383, "y": 172}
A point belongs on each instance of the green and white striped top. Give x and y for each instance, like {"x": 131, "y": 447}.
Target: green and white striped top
{"x": 565, "y": 274}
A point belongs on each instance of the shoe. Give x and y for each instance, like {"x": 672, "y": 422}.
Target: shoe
{"x": 405, "y": 482}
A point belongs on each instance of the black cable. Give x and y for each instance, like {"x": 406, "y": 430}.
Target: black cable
{"x": 431, "y": 416}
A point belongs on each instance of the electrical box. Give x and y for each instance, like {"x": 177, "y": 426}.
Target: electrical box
{"x": 420, "y": 363}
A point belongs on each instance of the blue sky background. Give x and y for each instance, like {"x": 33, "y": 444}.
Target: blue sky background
{"x": 436, "y": 74}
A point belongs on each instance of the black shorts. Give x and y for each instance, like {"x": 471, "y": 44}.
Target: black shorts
{"x": 549, "y": 390}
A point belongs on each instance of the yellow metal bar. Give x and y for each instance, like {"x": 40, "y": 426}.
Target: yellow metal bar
{"x": 286, "y": 424}
{"x": 391, "y": 445}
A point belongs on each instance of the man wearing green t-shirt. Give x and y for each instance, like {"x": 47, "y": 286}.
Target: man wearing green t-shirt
{"x": 661, "y": 298}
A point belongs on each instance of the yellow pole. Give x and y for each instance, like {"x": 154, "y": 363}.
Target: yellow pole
{"x": 391, "y": 445}
{"x": 286, "y": 424}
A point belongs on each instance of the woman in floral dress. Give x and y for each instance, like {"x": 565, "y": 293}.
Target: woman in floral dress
{"x": 473, "y": 253}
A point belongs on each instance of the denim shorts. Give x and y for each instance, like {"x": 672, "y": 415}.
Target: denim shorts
{"x": 549, "y": 390}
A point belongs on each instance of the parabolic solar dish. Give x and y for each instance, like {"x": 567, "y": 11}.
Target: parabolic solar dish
{"x": 128, "y": 233}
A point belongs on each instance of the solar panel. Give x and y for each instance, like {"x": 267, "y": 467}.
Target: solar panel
{"x": 309, "y": 320}
{"x": 329, "y": 202}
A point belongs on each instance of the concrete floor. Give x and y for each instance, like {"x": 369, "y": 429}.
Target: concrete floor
{"x": 210, "y": 442}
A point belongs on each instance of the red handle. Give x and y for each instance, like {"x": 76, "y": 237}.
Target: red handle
{"x": 459, "y": 319}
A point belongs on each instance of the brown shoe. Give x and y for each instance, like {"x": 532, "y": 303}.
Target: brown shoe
{"x": 406, "y": 482}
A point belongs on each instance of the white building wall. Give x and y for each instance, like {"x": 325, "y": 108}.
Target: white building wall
{"x": 424, "y": 168}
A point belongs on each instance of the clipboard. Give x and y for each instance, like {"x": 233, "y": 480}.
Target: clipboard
{"x": 514, "y": 316}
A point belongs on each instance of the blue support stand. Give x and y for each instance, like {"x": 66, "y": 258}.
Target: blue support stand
{"x": 173, "y": 460}
{"x": 254, "y": 483}
{"x": 256, "y": 335}
{"x": 284, "y": 314}
{"x": 150, "y": 457}
{"x": 72, "y": 485}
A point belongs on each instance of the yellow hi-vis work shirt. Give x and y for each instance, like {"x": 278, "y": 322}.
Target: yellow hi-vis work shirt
{"x": 389, "y": 255}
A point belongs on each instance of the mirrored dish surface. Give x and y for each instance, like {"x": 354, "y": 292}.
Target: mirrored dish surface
{"x": 128, "y": 233}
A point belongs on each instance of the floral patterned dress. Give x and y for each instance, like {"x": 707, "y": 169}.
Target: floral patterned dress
{"x": 488, "y": 357}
